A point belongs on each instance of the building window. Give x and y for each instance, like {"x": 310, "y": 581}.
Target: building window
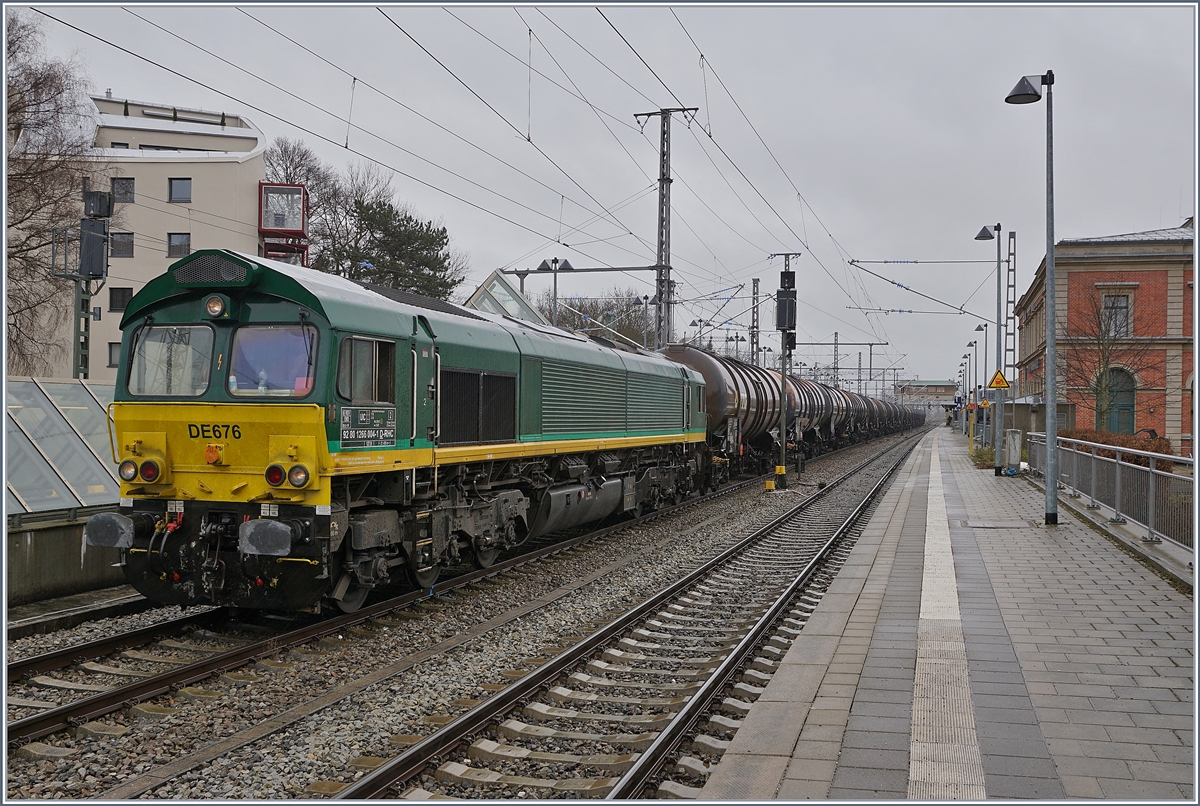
{"x": 1116, "y": 315}
{"x": 180, "y": 190}
{"x": 120, "y": 145}
{"x": 179, "y": 244}
{"x": 122, "y": 189}
{"x": 118, "y": 298}
{"x": 120, "y": 244}
{"x": 114, "y": 353}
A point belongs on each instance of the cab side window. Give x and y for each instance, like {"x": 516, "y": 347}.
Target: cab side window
{"x": 367, "y": 370}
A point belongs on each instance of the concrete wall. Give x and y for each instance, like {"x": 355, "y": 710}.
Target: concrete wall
{"x": 45, "y": 562}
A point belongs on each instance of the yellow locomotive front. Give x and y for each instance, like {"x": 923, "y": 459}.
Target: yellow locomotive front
{"x": 208, "y": 486}
{"x": 219, "y": 431}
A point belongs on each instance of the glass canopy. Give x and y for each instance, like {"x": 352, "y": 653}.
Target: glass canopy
{"x": 57, "y": 450}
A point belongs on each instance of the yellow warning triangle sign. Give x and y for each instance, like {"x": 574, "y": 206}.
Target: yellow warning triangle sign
{"x": 997, "y": 381}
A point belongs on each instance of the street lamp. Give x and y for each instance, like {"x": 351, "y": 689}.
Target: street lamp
{"x": 1027, "y": 92}
{"x": 554, "y": 265}
{"x": 985, "y": 234}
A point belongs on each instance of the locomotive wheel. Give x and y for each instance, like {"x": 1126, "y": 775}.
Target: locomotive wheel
{"x": 353, "y": 598}
{"x": 486, "y": 558}
{"x": 424, "y": 580}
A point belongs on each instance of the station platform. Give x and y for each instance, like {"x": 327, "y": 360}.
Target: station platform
{"x": 969, "y": 651}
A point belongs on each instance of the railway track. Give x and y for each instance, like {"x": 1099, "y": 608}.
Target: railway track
{"x": 102, "y": 676}
{"x": 683, "y": 663}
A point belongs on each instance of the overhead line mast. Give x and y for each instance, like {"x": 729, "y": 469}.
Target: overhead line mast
{"x": 663, "y": 285}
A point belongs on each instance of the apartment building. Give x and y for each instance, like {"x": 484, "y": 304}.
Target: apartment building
{"x": 182, "y": 179}
{"x": 1124, "y": 331}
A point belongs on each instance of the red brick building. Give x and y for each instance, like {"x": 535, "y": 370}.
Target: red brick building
{"x": 1124, "y": 311}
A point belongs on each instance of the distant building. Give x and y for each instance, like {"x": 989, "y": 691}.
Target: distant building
{"x": 932, "y": 394}
{"x": 1124, "y": 333}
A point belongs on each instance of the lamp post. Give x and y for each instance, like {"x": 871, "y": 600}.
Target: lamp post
{"x": 554, "y": 265}
{"x": 966, "y": 376}
{"x": 985, "y": 234}
{"x": 1027, "y": 92}
{"x": 978, "y": 328}
{"x": 735, "y": 339}
{"x": 973, "y": 411}
{"x": 646, "y": 303}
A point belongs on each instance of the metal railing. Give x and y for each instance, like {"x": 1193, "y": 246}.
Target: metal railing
{"x": 1153, "y": 491}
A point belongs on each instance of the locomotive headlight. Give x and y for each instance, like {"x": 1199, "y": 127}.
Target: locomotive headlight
{"x": 298, "y": 476}
{"x": 214, "y": 306}
{"x": 128, "y": 470}
{"x": 150, "y": 470}
{"x": 275, "y": 475}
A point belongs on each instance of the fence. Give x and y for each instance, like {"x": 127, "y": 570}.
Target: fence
{"x": 1138, "y": 486}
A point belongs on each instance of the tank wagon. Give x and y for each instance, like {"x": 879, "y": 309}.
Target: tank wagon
{"x": 743, "y": 407}
{"x": 289, "y": 439}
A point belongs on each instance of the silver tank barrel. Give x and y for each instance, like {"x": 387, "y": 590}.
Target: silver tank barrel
{"x": 733, "y": 389}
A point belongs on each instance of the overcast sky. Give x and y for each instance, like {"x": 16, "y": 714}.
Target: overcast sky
{"x": 844, "y": 133}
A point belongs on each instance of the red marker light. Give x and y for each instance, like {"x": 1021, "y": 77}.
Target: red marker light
{"x": 275, "y": 475}
{"x": 149, "y": 470}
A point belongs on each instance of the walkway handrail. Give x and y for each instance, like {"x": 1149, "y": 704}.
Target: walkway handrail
{"x": 1155, "y": 499}
{"x": 1184, "y": 460}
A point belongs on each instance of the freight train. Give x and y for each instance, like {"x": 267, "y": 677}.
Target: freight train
{"x": 289, "y": 439}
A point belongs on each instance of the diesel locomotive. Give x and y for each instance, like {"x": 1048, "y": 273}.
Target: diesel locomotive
{"x": 289, "y": 439}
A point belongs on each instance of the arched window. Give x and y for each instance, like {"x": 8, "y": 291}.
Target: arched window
{"x": 1117, "y": 416}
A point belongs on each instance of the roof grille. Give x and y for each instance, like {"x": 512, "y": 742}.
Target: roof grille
{"x": 210, "y": 269}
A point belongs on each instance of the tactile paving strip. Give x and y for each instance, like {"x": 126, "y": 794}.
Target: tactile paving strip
{"x": 944, "y": 758}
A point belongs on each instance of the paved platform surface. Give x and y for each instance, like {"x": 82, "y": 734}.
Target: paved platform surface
{"x": 968, "y": 651}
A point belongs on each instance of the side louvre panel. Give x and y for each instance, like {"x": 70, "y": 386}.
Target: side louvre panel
{"x": 575, "y": 399}
{"x": 654, "y": 403}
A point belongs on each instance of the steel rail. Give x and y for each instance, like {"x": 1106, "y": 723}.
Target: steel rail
{"x": 60, "y": 658}
{"x": 80, "y": 711}
{"x": 635, "y": 779}
{"x": 411, "y": 761}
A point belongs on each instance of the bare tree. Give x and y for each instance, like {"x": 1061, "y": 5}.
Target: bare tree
{"x": 341, "y": 233}
{"x": 50, "y": 137}
{"x": 620, "y": 309}
{"x": 1097, "y": 344}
